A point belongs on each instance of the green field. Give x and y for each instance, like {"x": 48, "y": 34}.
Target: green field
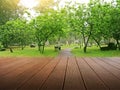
{"x": 29, "y": 52}
{"x": 95, "y": 52}
{"x": 50, "y": 52}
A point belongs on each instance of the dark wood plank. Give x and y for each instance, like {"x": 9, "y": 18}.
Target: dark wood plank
{"x": 18, "y": 69}
{"x": 56, "y": 79}
{"x": 114, "y": 59}
{"x": 73, "y": 79}
{"x": 92, "y": 81}
{"x": 6, "y": 61}
{"x": 13, "y": 66}
{"x": 107, "y": 67}
{"x": 109, "y": 79}
{"x": 63, "y": 74}
{"x": 114, "y": 64}
{"x": 37, "y": 81}
{"x": 13, "y": 81}
{"x": 16, "y": 61}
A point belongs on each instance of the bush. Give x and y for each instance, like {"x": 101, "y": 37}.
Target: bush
{"x": 57, "y": 48}
{"x": 104, "y": 48}
{"x": 112, "y": 46}
{"x": 32, "y": 45}
{"x": 2, "y": 49}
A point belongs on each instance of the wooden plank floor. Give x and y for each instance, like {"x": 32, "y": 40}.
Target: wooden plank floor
{"x": 60, "y": 73}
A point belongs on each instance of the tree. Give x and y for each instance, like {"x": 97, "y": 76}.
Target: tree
{"x": 8, "y": 35}
{"x": 115, "y": 23}
{"x": 81, "y": 21}
{"x": 91, "y": 21}
{"x": 47, "y": 25}
{"x": 14, "y": 32}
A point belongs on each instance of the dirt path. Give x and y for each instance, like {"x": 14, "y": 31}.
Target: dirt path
{"x": 66, "y": 52}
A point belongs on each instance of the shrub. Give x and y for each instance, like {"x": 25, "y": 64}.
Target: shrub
{"x": 2, "y": 49}
{"x": 112, "y": 46}
{"x": 32, "y": 45}
{"x": 104, "y": 48}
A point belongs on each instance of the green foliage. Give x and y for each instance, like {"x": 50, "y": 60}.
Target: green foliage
{"x": 95, "y": 22}
{"x": 98, "y": 21}
{"x": 14, "y": 32}
{"x": 46, "y": 26}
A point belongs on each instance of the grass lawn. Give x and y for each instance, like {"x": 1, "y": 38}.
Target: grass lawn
{"x": 29, "y": 52}
{"x": 95, "y": 52}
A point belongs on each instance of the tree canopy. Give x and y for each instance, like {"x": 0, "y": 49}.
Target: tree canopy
{"x": 96, "y": 21}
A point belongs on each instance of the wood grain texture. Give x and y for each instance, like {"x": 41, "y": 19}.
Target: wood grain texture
{"x": 60, "y": 73}
{"x": 73, "y": 79}
{"x": 91, "y": 79}
{"x": 56, "y": 79}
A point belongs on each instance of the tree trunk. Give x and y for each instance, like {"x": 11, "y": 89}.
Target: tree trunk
{"x": 43, "y": 49}
{"x": 118, "y": 44}
{"x": 86, "y": 42}
{"x": 11, "y": 50}
{"x": 23, "y": 47}
{"x": 85, "y": 49}
{"x": 38, "y": 46}
{"x": 98, "y": 43}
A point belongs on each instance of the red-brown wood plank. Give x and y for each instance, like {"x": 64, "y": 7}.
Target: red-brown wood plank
{"x": 114, "y": 59}
{"x": 92, "y": 81}
{"x": 10, "y": 64}
{"x": 14, "y": 66}
{"x": 63, "y": 74}
{"x": 109, "y": 79}
{"x": 13, "y": 81}
{"x": 107, "y": 67}
{"x": 56, "y": 79}
{"x": 37, "y": 81}
{"x": 114, "y": 64}
{"x": 73, "y": 80}
{"x": 24, "y": 67}
{"x": 5, "y": 60}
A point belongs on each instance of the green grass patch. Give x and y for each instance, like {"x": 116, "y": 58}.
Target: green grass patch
{"x": 29, "y": 52}
{"x": 96, "y": 52}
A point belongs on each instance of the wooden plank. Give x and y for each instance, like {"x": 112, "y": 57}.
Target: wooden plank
{"x": 37, "y": 81}
{"x": 16, "y": 62}
{"x": 92, "y": 81}
{"x": 5, "y": 70}
{"x": 7, "y": 61}
{"x": 18, "y": 69}
{"x": 73, "y": 79}
{"x": 2, "y": 60}
{"x": 114, "y": 59}
{"x": 109, "y": 79}
{"x": 108, "y": 67}
{"x": 12, "y": 82}
{"x": 56, "y": 79}
{"x": 114, "y": 64}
